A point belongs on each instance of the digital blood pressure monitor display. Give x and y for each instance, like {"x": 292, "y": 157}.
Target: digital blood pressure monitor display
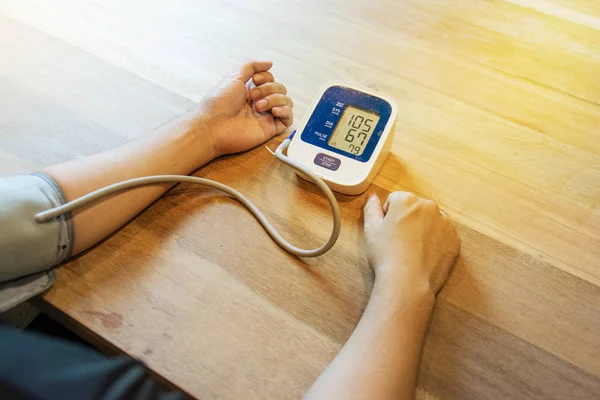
{"x": 354, "y": 130}
{"x": 345, "y": 135}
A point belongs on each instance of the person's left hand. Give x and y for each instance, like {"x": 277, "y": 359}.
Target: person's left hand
{"x": 240, "y": 116}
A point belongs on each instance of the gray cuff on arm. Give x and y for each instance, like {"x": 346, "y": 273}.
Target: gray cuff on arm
{"x": 28, "y": 247}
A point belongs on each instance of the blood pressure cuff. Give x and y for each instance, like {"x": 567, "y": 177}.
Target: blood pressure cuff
{"x": 29, "y": 249}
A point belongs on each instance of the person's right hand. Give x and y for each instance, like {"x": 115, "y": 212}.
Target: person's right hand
{"x": 409, "y": 241}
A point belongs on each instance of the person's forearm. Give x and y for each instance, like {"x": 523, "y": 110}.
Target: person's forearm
{"x": 179, "y": 147}
{"x": 381, "y": 358}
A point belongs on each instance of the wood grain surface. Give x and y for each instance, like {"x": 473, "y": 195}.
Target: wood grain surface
{"x": 499, "y": 122}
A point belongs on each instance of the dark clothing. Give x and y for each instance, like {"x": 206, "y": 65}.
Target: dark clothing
{"x": 36, "y": 367}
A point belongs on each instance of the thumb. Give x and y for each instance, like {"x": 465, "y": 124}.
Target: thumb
{"x": 373, "y": 213}
{"x": 251, "y": 68}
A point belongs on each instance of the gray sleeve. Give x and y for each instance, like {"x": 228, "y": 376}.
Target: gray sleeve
{"x": 28, "y": 247}
{"x": 19, "y": 290}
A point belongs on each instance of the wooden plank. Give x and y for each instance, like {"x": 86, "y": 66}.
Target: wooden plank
{"x": 498, "y": 123}
{"x": 467, "y": 358}
{"x": 49, "y": 73}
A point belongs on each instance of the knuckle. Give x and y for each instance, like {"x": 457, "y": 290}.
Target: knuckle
{"x": 394, "y": 197}
{"x": 401, "y": 197}
{"x": 432, "y": 205}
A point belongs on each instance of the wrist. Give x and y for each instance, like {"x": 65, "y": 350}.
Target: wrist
{"x": 404, "y": 305}
{"x": 184, "y": 145}
{"x": 198, "y": 130}
{"x": 404, "y": 289}
{"x": 203, "y": 132}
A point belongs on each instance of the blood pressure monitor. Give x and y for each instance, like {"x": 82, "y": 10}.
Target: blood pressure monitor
{"x": 345, "y": 136}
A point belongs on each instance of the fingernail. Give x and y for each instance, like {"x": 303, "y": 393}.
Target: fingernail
{"x": 255, "y": 93}
{"x": 258, "y": 79}
{"x": 262, "y": 104}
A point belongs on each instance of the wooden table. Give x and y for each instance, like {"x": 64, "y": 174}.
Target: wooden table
{"x": 499, "y": 122}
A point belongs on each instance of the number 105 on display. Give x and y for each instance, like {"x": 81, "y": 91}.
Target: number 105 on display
{"x": 354, "y": 130}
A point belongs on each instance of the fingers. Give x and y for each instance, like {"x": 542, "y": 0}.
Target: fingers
{"x": 252, "y": 68}
{"x": 267, "y": 94}
{"x": 285, "y": 115}
{"x": 402, "y": 201}
{"x": 267, "y": 89}
{"x": 273, "y": 100}
{"x": 262, "y": 77}
{"x": 373, "y": 213}
{"x": 272, "y": 95}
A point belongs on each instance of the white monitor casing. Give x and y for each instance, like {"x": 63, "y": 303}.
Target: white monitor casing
{"x": 353, "y": 177}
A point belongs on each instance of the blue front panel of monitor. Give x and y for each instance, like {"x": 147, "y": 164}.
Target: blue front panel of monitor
{"x": 328, "y": 112}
